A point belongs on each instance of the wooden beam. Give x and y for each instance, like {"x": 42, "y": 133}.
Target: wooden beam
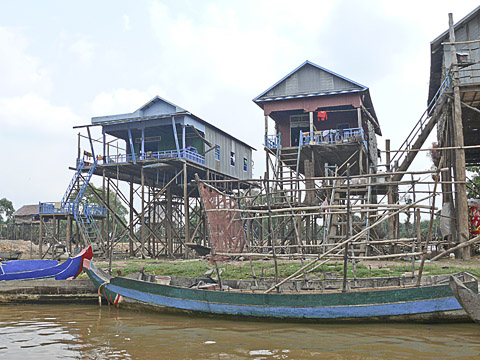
{"x": 461, "y": 189}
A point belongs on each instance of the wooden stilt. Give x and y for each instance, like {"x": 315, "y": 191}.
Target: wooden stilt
{"x": 460, "y": 186}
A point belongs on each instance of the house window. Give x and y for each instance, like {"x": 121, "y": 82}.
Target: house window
{"x": 232, "y": 158}
{"x": 245, "y": 164}
{"x": 217, "y": 152}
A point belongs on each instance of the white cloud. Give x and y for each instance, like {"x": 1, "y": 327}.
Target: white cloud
{"x": 38, "y": 141}
{"x": 20, "y": 72}
{"x": 84, "y": 49}
{"x": 126, "y": 23}
{"x": 122, "y": 101}
{"x": 34, "y": 115}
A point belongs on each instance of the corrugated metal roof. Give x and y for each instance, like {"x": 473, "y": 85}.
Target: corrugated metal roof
{"x": 436, "y": 55}
{"x": 443, "y": 35}
{"x": 356, "y": 87}
{"x": 134, "y": 117}
{"x": 308, "y": 95}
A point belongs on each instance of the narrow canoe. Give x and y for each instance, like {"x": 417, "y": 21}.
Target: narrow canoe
{"x": 45, "y": 269}
{"x": 467, "y": 298}
{"x": 433, "y": 301}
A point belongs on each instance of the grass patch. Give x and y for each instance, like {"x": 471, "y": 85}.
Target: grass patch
{"x": 242, "y": 270}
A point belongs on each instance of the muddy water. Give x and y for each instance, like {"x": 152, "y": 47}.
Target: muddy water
{"x": 90, "y": 332}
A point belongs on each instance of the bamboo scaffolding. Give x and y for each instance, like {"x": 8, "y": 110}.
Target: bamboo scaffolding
{"x": 364, "y": 176}
{"x": 460, "y": 246}
{"x": 341, "y": 244}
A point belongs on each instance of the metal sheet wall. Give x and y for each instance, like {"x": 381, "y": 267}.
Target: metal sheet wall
{"x": 469, "y": 31}
{"x": 228, "y": 145}
{"x": 310, "y": 79}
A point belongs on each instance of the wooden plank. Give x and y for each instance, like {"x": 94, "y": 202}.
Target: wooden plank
{"x": 461, "y": 189}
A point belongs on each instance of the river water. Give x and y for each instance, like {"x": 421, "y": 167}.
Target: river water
{"x": 91, "y": 332}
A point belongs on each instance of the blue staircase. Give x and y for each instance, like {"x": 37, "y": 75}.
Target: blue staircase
{"x": 83, "y": 212}
{"x": 68, "y": 192}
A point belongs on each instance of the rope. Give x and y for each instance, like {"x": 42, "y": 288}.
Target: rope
{"x": 100, "y": 295}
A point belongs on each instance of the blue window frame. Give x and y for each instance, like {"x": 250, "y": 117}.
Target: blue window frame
{"x": 232, "y": 158}
{"x": 245, "y": 164}
{"x": 217, "y": 152}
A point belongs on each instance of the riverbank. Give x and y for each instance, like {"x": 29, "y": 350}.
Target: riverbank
{"x": 266, "y": 268}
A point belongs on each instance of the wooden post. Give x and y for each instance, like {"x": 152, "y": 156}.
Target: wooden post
{"x": 69, "y": 232}
{"x": 103, "y": 197}
{"x": 153, "y": 222}
{"x": 348, "y": 233}
{"x": 311, "y": 125}
{"x": 142, "y": 229}
{"x": 391, "y": 220}
{"x": 360, "y": 160}
{"x": 130, "y": 241}
{"x": 430, "y": 228}
{"x": 271, "y": 238}
{"x": 359, "y": 117}
{"x": 187, "y": 209}
{"x": 460, "y": 181}
{"x": 169, "y": 220}
{"x": 266, "y": 152}
{"x": 54, "y": 232}
{"x": 78, "y": 146}
{"x": 40, "y": 238}
{"x": 31, "y": 240}
{"x": 106, "y": 239}
{"x": 298, "y": 237}
{"x": 387, "y": 154}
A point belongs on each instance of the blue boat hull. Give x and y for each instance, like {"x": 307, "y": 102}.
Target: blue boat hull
{"x": 430, "y": 305}
{"x": 45, "y": 269}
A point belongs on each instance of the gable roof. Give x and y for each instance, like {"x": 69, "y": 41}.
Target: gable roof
{"x": 158, "y": 99}
{"x": 156, "y": 108}
{"x": 310, "y": 80}
{"x": 307, "y": 80}
{"x": 27, "y": 210}
{"x": 436, "y": 52}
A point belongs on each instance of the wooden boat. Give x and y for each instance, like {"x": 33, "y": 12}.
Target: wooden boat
{"x": 469, "y": 299}
{"x": 44, "y": 269}
{"x": 379, "y": 299}
{"x": 10, "y": 255}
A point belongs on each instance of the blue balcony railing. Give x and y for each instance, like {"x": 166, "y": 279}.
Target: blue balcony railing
{"x": 273, "y": 141}
{"x": 332, "y": 136}
{"x": 52, "y": 208}
{"x": 188, "y": 153}
{"x": 95, "y": 210}
{"x": 192, "y": 155}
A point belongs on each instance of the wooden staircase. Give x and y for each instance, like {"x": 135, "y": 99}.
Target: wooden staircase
{"x": 402, "y": 160}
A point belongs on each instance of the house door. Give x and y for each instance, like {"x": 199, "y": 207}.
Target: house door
{"x": 298, "y": 123}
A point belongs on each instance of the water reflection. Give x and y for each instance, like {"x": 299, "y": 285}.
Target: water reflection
{"x": 89, "y": 332}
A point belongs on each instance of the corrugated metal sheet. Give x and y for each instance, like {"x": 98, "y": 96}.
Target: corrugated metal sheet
{"x": 228, "y": 145}
{"x": 309, "y": 79}
{"x": 158, "y": 108}
{"x": 467, "y": 29}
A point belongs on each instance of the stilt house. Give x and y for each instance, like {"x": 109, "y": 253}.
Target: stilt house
{"x": 320, "y": 117}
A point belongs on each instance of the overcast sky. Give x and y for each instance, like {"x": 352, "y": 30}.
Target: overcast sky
{"x": 62, "y": 62}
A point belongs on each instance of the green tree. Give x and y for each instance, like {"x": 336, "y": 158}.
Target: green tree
{"x": 473, "y": 182}
{"x": 6, "y": 211}
{"x": 114, "y": 202}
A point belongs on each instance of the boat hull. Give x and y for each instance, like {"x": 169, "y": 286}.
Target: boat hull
{"x": 69, "y": 269}
{"x": 424, "y": 304}
{"x": 467, "y": 298}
